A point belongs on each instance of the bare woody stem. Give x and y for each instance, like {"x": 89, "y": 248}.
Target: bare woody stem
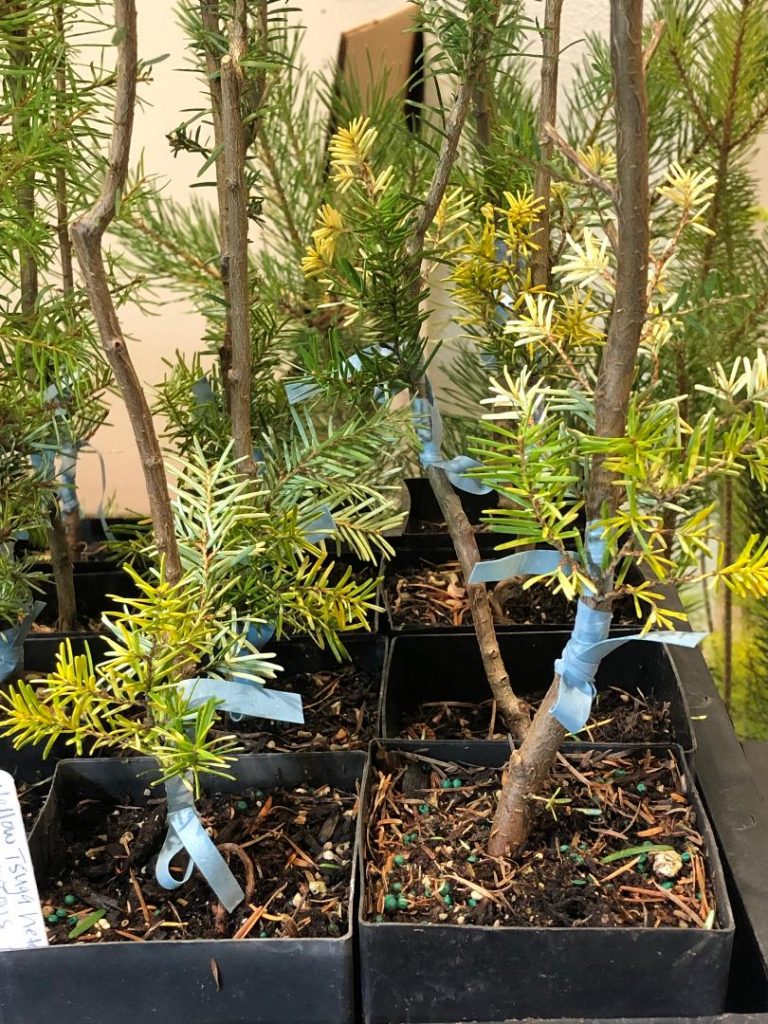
{"x": 514, "y": 711}
{"x": 70, "y": 520}
{"x": 209, "y": 17}
{"x": 237, "y": 219}
{"x": 547, "y": 116}
{"x": 530, "y": 766}
{"x": 460, "y": 529}
{"x": 87, "y": 235}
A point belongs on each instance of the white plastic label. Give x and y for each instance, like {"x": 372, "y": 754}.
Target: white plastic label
{"x": 21, "y": 918}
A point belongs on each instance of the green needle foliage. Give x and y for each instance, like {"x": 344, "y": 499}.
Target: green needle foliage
{"x": 243, "y": 565}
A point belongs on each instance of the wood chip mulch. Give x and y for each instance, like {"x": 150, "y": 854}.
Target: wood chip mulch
{"x": 614, "y": 844}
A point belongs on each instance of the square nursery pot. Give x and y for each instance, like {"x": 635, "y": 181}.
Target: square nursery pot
{"x": 437, "y": 973}
{"x": 425, "y": 517}
{"x": 273, "y": 981}
{"x": 410, "y": 558}
{"x": 367, "y": 655}
{"x": 437, "y": 668}
{"x": 99, "y": 587}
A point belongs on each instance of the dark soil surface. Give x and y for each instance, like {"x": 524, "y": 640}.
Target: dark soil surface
{"x": 291, "y": 851}
{"x": 614, "y": 844}
{"x": 32, "y": 796}
{"x": 617, "y": 717}
{"x": 340, "y": 711}
{"x": 435, "y": 597}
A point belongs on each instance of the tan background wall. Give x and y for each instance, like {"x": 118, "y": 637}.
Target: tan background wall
{"x": 157, "y": 337}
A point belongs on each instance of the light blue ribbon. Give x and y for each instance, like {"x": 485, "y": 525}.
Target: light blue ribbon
{"x": 320, "y": 528}
{"x": 588, "y": 644}
{"x": 186, "y": 832}
{"x": 12, "y": 641}
{"x": 428, "y": 424}
{"x": 239, "y": 697}
{"x": 202, "y": 391}
{"x": 245, "y": 698}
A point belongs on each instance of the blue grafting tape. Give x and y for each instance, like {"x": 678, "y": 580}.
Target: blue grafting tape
{"x": 66, "y": 476}
{"x": 301, "y": 391}
{"x": 522, "y": 563}
{"x": 577, "y": 667}
{"x": 186, "y": 832}
{"x": 202, "y": 391}
{"x": 245, "y": 697}
{"x": 320, "y": 528}
{"x": 12, "y": 641}
{"x": 428, "y": 424}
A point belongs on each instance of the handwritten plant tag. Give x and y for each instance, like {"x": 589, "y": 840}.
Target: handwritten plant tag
{"x": 21, "y": 919}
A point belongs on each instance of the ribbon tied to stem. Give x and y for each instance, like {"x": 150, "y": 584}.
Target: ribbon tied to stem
{"x": 589, "y": 642}
{"x": 185, "y": 829}
{"x": 428, "y": 424}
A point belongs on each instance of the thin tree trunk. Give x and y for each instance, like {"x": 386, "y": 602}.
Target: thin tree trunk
{"x": 530, "y": 766}
{"x": 70, "y": 521}
{"x": 514, "y": 711}
{"x": 210, "y": 18}
{"x": 63, "y": 576}
{"x": 728, "y": 546}
{"x": 87, "y": 235}
{"x": 239, "y": 287}
{"x": 550, "y": 62}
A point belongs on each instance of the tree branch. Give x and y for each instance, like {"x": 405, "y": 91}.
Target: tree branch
{"x": 209, "y": 16}
{"x": 550, "y": 60}
{"x": 616, "y": 373}
{"x": 530, "y": 765}
{"x": 87, "y": 235}
{"x": 237, "y": 218}
{"x": 514, "y": 711}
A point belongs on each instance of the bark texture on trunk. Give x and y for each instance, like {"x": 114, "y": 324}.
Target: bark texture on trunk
{"x": 87, "y": 235}
{"x": 529, "y": 767}
{"x": 550, "y": 63}
{"x": 514, "y": 711}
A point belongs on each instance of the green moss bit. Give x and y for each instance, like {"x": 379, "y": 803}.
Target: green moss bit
{"x": 390, "y": 903}
{"x": 456, "y": 783}
{"x": 446, "y": 784}
{"x": 424, "y": 808}
{"x": 578, "y": 881}
{"x": 396, "y": 886}
{"x": 565, "y": 847}
{"x": 685, "y": 857}
{"x": 399, "y": 859}
{"x": 242, "y": 805}
{"x": 70, "y": 900}
{"x": 402, "y": 903}
{"x": 471, "y": 903}
{"x": 668, "y": 885}
{"x": 641, "y": 788}
{"x": 472, "y": 858}
{"x": 448, "y": 900}
{"x": 52, "y": 919}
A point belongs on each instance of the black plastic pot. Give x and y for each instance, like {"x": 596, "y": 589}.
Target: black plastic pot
{"x": 431, "y": 973}
{"x": 98, "y": 588}
{"x": 409, "y": 559}
{"x": 449, "y": 668}
{"x": 425, "y": 517}
{"x": 274, "y": 981}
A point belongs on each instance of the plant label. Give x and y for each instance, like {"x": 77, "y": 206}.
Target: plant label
{"x": 21, "y": 919}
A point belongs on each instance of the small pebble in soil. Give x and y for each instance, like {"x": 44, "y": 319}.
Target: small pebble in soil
{"x": 52, "y": 919}
{"x": 242, "y": 805}
{"x": 70, "y": 900}
{"x": 402, "y": 903}
{"x": 685, "y": 857}
{"x": 448, "y": 900}
{"x": 390, "y": 903}
{"x": 471, "y": 903}
{"x": 668, "y": 885}
{"x": 641, "y": 788}
{"x": 263, "y": 935}
{"x": 446, "y": 784}
{"x": 472, "y": 859}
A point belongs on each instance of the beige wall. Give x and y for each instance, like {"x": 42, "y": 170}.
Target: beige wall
{"x": 157, "y": 337}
